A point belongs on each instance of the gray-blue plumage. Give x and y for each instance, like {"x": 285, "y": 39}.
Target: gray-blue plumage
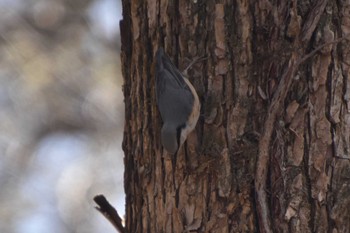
{"x": 175, "y": 101}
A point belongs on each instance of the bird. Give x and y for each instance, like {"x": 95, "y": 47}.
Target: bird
{"x": 177, "y": 101}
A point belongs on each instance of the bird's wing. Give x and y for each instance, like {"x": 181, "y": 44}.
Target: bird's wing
{"x": 174, "y": 97}
{"x": 167, "y": 71}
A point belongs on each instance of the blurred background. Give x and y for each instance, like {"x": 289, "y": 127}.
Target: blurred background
{"x": 61, "y": 114}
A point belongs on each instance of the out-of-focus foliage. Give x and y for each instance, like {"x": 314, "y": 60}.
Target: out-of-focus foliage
{"x": 61, "y": 114}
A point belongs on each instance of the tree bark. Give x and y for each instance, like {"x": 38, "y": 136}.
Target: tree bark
{"x": 270, "y": 151}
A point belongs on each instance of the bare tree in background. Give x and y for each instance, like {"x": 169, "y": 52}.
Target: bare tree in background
{"x": 270, "y": 152}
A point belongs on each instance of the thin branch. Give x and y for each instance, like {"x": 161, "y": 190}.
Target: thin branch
{"x": 264, "y": 142}
{"x": 199, "y": 59}
{"x": 313, "y": 52}
{"x": 312, "y": 20}
{"x": 109, "y": 212}
{"x": 274, "y": 108}
{"x": 264, "y": 145}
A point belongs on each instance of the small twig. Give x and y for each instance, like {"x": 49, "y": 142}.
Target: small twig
{"x": 313, "y": 52}
{"x": 347, "y": 64}
{"x": 109, "y": 212}
{"x": 192, "y": 63}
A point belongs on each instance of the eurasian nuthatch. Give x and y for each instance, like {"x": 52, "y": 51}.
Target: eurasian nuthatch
{"x": 178, "y": 103}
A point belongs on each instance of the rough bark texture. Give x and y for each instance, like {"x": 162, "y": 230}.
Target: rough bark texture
{"x": 270, "y": 117}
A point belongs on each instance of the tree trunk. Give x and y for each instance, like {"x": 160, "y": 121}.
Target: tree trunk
{"x": 270, "y": 152}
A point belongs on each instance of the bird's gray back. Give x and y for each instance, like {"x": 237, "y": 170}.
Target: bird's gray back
{"x": 174, "y": 97}
{"x": 176, "y": 106}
